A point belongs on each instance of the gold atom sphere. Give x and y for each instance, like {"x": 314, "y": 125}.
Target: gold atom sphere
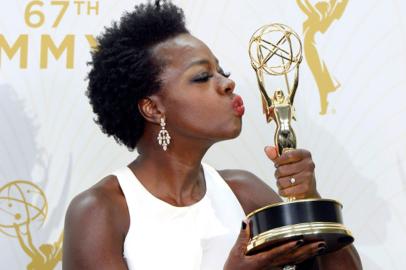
{"x": 21, "y": 202}
{"x": 275, "y": 48}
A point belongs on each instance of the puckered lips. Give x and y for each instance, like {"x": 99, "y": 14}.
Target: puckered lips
{"x": 238, "y": 106}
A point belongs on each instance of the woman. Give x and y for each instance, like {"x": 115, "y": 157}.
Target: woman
{"x": 157, "y": 88}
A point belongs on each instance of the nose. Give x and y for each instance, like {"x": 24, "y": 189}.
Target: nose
{"x": 226, "y": 86}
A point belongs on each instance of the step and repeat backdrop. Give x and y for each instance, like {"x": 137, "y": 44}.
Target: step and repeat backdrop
{"x": 349, "y": 108}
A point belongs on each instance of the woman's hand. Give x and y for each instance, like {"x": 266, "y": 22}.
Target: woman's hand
{"x": 294, "y": 173}
{"x": 290, "y": 253}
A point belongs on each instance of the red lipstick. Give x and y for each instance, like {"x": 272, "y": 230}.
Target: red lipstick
{"x": 238, "y": 106}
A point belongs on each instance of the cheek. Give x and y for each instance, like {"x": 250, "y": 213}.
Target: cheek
{"x": 191, "y": 104}
{"x": 191, "y": 114}
{"x": 204, "y": 117}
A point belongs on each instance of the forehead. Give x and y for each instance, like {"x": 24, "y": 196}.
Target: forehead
{"x": 180, "y": 51}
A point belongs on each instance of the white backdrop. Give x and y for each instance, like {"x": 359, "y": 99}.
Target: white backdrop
{"x": 48, "y": 137}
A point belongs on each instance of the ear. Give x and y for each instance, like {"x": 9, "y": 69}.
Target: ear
{"x": 151, "y": 109}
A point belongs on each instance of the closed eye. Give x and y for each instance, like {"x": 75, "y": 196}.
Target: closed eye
{"x": 202, "y": 77}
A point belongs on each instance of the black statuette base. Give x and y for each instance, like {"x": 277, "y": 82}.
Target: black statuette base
{"x": 311, "y": 220}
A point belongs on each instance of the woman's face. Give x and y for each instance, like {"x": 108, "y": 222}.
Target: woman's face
{"x": 197, "y": 97}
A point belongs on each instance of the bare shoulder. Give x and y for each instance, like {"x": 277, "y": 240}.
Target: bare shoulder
{"x": 251, "y": 191}
{"x": 96, "y": 223}
{"x": 101, "y": 200}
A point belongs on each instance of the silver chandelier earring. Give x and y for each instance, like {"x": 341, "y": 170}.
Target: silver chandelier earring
{"x": 163, "y": 136}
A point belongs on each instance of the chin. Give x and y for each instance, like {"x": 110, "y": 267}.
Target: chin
{"x": 237, "y": 132}
{"x": 234, "y": 132}
{"x": 227, "y": 132}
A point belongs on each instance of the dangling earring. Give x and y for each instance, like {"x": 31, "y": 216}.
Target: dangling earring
{"x": 163, "y": 136}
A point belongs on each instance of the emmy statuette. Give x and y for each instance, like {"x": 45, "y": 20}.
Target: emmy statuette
{"x": 276, "y": 50}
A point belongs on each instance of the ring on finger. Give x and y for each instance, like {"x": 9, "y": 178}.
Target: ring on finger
{"x": 292, "y": 180}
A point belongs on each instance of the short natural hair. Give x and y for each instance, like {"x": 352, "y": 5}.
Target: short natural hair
{"x": 123, "y": 69}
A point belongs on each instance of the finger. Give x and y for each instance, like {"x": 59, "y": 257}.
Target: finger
{"x": 297, "y": 191}
{"x": 287, "y": 182}
{"x": 292, "y": 156}
{"x": 294, "y": 179}
{"x": 308, "y": 251}
{"x": 271, "y": 255}
{"x": 271, "y": 152}
{"x": 287, "y": 170}
{"x": 243, "y": 238}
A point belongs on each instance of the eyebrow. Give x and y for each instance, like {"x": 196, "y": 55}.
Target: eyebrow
{"x": 201, "y": 62}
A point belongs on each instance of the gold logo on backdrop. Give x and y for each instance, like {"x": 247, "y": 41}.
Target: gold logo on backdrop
{"x": 50, "y": 14}
{"x": 320, "y": 16}
{"x": 24, "y": 207}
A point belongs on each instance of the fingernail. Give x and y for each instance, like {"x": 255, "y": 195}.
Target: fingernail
{"x": 243, "y": 225}
{"x": 299, "y": 243}
{"x": 321, "y": 251}
{"x": 322, "y": 247}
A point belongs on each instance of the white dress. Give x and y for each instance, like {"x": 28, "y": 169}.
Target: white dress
{"x": 163, "y": 236}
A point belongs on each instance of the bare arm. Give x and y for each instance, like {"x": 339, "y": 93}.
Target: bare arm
{"x": 93, "y": 236}
{"x": 250, "y": 190}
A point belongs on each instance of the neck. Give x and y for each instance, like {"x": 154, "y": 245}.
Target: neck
{"x": 175, "y": 175}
